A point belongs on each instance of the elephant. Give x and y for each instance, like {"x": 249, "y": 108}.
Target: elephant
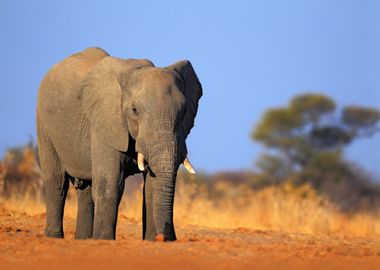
{"x": 101, "y": 119}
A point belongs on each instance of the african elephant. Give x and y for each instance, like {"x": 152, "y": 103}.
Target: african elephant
{"x": 101, "y": 119}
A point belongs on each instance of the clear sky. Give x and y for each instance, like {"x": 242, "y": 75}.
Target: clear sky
{"x": 249, "y": 56}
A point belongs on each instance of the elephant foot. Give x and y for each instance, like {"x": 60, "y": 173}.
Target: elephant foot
{"x": 82, "y": 235}
{"x": 54, "y": 234}
{"x": 151, "y": 235}
{"x": 159, "y": 238}
{"x": 104, "y": 236}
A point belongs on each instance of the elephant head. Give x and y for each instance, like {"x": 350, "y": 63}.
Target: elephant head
{"x": 154, "y": 108}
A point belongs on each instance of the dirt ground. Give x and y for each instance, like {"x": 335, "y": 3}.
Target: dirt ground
{"x": 23, "y": 246}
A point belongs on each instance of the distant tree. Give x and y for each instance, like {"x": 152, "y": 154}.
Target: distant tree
{"x": 308, "y": 136}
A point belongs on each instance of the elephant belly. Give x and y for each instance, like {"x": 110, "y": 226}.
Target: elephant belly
{"x": 74, "y": 154}
{"x": 78, "y": 173}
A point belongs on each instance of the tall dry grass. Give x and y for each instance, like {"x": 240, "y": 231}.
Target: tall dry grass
{"x": 220, "y": 204}
{"x": 281, "y": 208}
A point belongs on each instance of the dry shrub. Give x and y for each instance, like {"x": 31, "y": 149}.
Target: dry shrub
{"x": 20, "y": 174}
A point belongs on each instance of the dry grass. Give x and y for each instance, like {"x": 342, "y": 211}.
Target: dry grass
{"x": 224, "y": 204}
{"x": 282, "y": 208}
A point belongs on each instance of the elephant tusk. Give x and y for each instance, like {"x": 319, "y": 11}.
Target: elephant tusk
{"x": 140, "y": 161}
{"x": 188, "y": 166}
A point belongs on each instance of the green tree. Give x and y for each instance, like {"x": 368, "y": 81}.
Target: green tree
{"x": 307, "y": 137}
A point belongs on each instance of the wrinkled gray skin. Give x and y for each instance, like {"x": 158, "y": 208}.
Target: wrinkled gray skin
{"x": 94, "y": 113}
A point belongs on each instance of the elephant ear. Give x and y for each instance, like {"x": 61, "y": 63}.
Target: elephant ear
{"x": 101, "y": 94}
{"x": 192, "y": 92}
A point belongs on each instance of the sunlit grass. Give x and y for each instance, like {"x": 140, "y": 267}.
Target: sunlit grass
{"x": 281, "y": 208}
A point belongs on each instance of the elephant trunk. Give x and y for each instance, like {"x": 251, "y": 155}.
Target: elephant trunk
{"x": 159, "y": 191}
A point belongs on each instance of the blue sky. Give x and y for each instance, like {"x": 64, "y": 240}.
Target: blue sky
{"x": 249, "y": 56}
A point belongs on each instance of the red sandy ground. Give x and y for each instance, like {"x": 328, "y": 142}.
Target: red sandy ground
{"x": 23, "y": 246}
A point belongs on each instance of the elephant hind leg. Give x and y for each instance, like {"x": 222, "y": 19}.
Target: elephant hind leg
{"x": 85, "y": 214}
{"x": 56, "y": 185}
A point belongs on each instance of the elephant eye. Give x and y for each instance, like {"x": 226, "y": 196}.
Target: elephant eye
{"x": 134, "y": 110}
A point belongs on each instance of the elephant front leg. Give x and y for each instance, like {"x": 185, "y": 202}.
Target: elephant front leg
{"x": 149, "y": 231}
{"x": 85, "y": 215}
{"x": 107, "y": 188}
{"x": 107, "y": 201}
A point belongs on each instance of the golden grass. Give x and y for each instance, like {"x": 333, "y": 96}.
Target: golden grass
{"x": 282, "y": 208}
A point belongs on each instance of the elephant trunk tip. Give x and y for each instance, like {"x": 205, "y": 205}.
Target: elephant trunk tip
{"x": 159, "y": 238}
{"x": 162, "y": 238}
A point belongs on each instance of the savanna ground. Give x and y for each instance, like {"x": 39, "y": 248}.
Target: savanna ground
{"x": 228, "y": 226}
